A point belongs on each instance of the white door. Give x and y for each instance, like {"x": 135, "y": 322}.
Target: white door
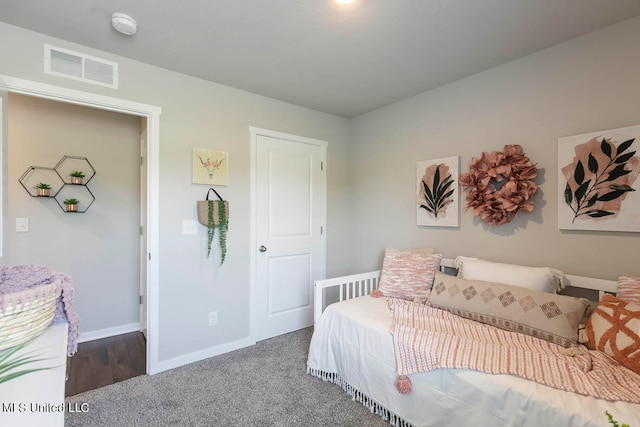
{"x": 143, "y": 226}
{"x": 290, "y": 186}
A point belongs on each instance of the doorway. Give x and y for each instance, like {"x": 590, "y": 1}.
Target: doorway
{"x": 289, "y": 211}
{"x": 98, "y": 245}
{"x": 150, "y": 227}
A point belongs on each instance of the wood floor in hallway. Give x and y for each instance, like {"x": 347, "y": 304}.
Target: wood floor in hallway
{"x": 106, "y": 361}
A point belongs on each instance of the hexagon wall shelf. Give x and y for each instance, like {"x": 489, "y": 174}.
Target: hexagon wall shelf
{"x": 37, "y": 175}
{"x": 62, "y": 185}
{"x": 75, "y": 191}
{"x": 69, "y": 164}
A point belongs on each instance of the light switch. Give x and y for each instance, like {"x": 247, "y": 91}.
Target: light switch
{"x": 22, "y": 225}
{"x": 189, "y": 226}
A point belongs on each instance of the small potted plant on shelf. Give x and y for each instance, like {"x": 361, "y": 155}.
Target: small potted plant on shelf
{"x": 43, "y": 189}
{"x": 72, "y": 205}
{"x": 76, "y": 177}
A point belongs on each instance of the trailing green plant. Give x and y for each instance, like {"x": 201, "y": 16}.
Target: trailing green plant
{"x": 43, "y": 186}
{"x": 223, "y": 224}
{"x": 77, "y": 174}
{"x": 613, "y": 422}
{"x": 211, "y": 226}
{"x": 10, "y": 362}
{"x": 71, "y": 201}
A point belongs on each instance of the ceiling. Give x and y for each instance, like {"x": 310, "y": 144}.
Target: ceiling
{"x": 343, "y": 60}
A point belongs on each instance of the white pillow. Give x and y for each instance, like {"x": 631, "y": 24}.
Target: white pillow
{"x": 543, "y": 279}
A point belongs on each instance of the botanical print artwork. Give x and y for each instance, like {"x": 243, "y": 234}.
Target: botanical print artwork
{"x": 598, "y": 181}
{"x": 437, "y": 187}
{"x": 210, "y": 167}
{"x": 436, "y": 190}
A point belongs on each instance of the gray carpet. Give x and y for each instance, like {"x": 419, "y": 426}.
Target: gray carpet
{"x": 262, "y": 385}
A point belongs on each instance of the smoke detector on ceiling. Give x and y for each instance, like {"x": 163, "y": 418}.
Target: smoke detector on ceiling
{"x": 124, "y": 24}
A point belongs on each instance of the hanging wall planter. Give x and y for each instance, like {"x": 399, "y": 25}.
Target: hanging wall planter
{"x": 212, "y": 214}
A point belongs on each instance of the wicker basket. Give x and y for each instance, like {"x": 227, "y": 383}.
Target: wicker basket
{"x": 26, "y": 314}
{"x": 203, "y": 209}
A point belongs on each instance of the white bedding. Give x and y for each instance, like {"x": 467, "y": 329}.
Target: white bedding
{"x": 352, "y": 341}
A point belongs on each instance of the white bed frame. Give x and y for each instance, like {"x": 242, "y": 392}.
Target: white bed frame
{"x": 357, "y": 285}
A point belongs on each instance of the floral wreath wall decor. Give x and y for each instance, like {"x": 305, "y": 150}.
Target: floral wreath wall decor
{"x": 597, "y": 181}
{"x": 501, "y": 184}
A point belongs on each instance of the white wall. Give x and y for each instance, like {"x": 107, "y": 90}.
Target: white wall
{"x": 588, "y": 84}
{"x": 196, "y": 113}
{"x": 98, "y": 248}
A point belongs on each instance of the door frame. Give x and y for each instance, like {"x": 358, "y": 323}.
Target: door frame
{"x": 152, "y": 115}
{"x": 253, "y": 259}
{"x": 3, "y": 171}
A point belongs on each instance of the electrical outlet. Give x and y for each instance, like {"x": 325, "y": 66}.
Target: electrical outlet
{"x": 213, "y": 318}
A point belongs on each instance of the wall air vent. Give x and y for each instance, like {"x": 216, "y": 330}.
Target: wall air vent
{"x": 78, "y": 66}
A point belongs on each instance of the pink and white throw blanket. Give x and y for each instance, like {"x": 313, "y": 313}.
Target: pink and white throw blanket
{"x": 426, "y": 338}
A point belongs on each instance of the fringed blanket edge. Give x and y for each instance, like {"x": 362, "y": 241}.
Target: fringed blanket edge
{"x": 360, "y": 397}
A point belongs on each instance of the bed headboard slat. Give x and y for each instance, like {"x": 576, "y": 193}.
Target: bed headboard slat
{"x": 600, "y": 285}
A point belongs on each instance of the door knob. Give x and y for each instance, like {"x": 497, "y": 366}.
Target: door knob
{"x": 262, "y": 249}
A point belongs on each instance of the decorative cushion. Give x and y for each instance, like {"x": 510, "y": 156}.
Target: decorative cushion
{"x": 629, "y": 288}
{"x": 545, "y": 315}
{"x": 543, "y": 279}
{"x": 614, "y": 328}
{"x": 407, "y": 275}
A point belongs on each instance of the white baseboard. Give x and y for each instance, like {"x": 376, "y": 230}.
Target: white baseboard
{"x": 108, "y": 332}
{"x": 206, "y": 353}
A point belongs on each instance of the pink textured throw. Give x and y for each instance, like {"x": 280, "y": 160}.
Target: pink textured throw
{"x": 426, "y": 338}
{"x": 20, "y": 277}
